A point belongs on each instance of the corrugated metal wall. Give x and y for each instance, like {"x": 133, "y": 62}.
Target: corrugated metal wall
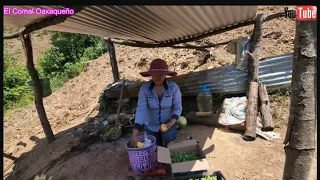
{"x": 273, "y": 72}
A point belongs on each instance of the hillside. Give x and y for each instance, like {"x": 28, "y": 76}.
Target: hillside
{"x": 67, "y": 107}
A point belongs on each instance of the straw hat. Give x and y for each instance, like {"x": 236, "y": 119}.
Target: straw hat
{"x": 158, "y": 67}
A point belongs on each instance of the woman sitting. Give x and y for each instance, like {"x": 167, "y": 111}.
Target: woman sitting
{"x": 159, "y": 103}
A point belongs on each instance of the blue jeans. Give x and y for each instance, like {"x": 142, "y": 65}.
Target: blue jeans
{"x": 167, "y": 137}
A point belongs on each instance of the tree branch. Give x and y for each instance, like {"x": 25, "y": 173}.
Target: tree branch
{"x": 49, "y": 21}
{"x": 27, "y": 46}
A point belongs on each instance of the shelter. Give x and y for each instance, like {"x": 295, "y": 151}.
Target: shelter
{"x": 142, "y": 26}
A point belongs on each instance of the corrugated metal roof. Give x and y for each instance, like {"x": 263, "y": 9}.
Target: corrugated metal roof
{"x": 147, "y": 23}
{"x": 273, "y": 72}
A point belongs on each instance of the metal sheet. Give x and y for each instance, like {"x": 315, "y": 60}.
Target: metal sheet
{"x": 274, "y": 72}
{"x": 145, "y": 23}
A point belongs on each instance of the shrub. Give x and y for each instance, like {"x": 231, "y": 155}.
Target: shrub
{"x": 16, "y": 76}
{"x": 68, "y": 57}
{"x": 8, "y": 58}
{"x": 52, "y": 61}
{"x": 73, "y": 70}
{"x": 14, "y": 95}
{"x": 69, "y": 48}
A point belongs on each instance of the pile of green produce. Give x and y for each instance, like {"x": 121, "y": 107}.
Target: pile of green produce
{"x": 111, "y": 133}
{"x": 206, "y": 178}
{"x": 178, "y": 157}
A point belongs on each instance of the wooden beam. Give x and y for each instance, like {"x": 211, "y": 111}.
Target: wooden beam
{"x": 253, "y": 72}
{"x": 113, "y": 60}
{"x": 49, "y": 21}
{"x": 27, "y": 46}
{"x": 194, "y": 38}
{"x": 185, "y": 46}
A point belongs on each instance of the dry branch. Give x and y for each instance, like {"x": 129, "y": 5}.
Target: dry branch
{"x": 9, "y": 156}
{"x": 251, "y": 114}
{"x": 27, "y": 46}
{"x": 265, "y": 109}
{"x": 253, "y": 71}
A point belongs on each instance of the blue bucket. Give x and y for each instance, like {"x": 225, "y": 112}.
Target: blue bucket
{"x": 143, "y": 160}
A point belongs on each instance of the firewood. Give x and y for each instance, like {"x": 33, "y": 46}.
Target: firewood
{"x": 265, "y": 109}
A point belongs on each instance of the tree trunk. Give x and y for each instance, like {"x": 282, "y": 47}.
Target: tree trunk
{"x": 252, "y": 112}
{"x": 113, "y": 60}
{"x": 300, "y": 138}
{"x": 265, "y": 109}
{"x": 27, "y": 46}
{"x": 253, "y": 74}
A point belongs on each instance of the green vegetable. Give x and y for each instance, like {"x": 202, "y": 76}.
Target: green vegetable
{"x": 206, "y": 178}
{"x": 177, "y": 157}
{"x": 181, "y": 122}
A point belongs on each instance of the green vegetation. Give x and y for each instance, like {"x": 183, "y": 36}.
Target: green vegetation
{"x": 280, "y": 94}
{"x": 177, "y": 157}
{"x": 206, "y": 178}
{"x": 279, "y": 101}
{"x": 69, "y": 55}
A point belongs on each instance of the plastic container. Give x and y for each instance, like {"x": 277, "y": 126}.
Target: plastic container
{"x": 144, "y": 159}
{"x": 147, "y": 142}
{"x": 45, "y": 85}
{"x": 204, "y": 100}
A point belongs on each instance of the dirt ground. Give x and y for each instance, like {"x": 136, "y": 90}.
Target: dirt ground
{"x": 66, "y": 110}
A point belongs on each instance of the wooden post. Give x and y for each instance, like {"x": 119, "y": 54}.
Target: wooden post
{"x": 300, "y": 140}
{"x": 113, "y": 60}
{"x": 27, "y": 46}
{"x": 253, "y": 72}
{"x": 265, "y": 109}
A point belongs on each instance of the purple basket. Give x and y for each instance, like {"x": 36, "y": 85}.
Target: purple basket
{"x": 143, "y": 160}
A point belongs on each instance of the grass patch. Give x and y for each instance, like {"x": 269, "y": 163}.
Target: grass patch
{"x": 280, "y": 105}
{"x": 72, "y": 70}
{"x": 25, "y": 100}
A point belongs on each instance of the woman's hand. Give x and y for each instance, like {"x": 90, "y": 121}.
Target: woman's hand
{"x": 134, "y": 141}
{"x": 134, "y": 138}
{"x": 171, "y": 123}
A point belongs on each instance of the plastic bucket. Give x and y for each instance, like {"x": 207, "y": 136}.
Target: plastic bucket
{"x": 143, "y": 160}
{"x": 45, "y": 85}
